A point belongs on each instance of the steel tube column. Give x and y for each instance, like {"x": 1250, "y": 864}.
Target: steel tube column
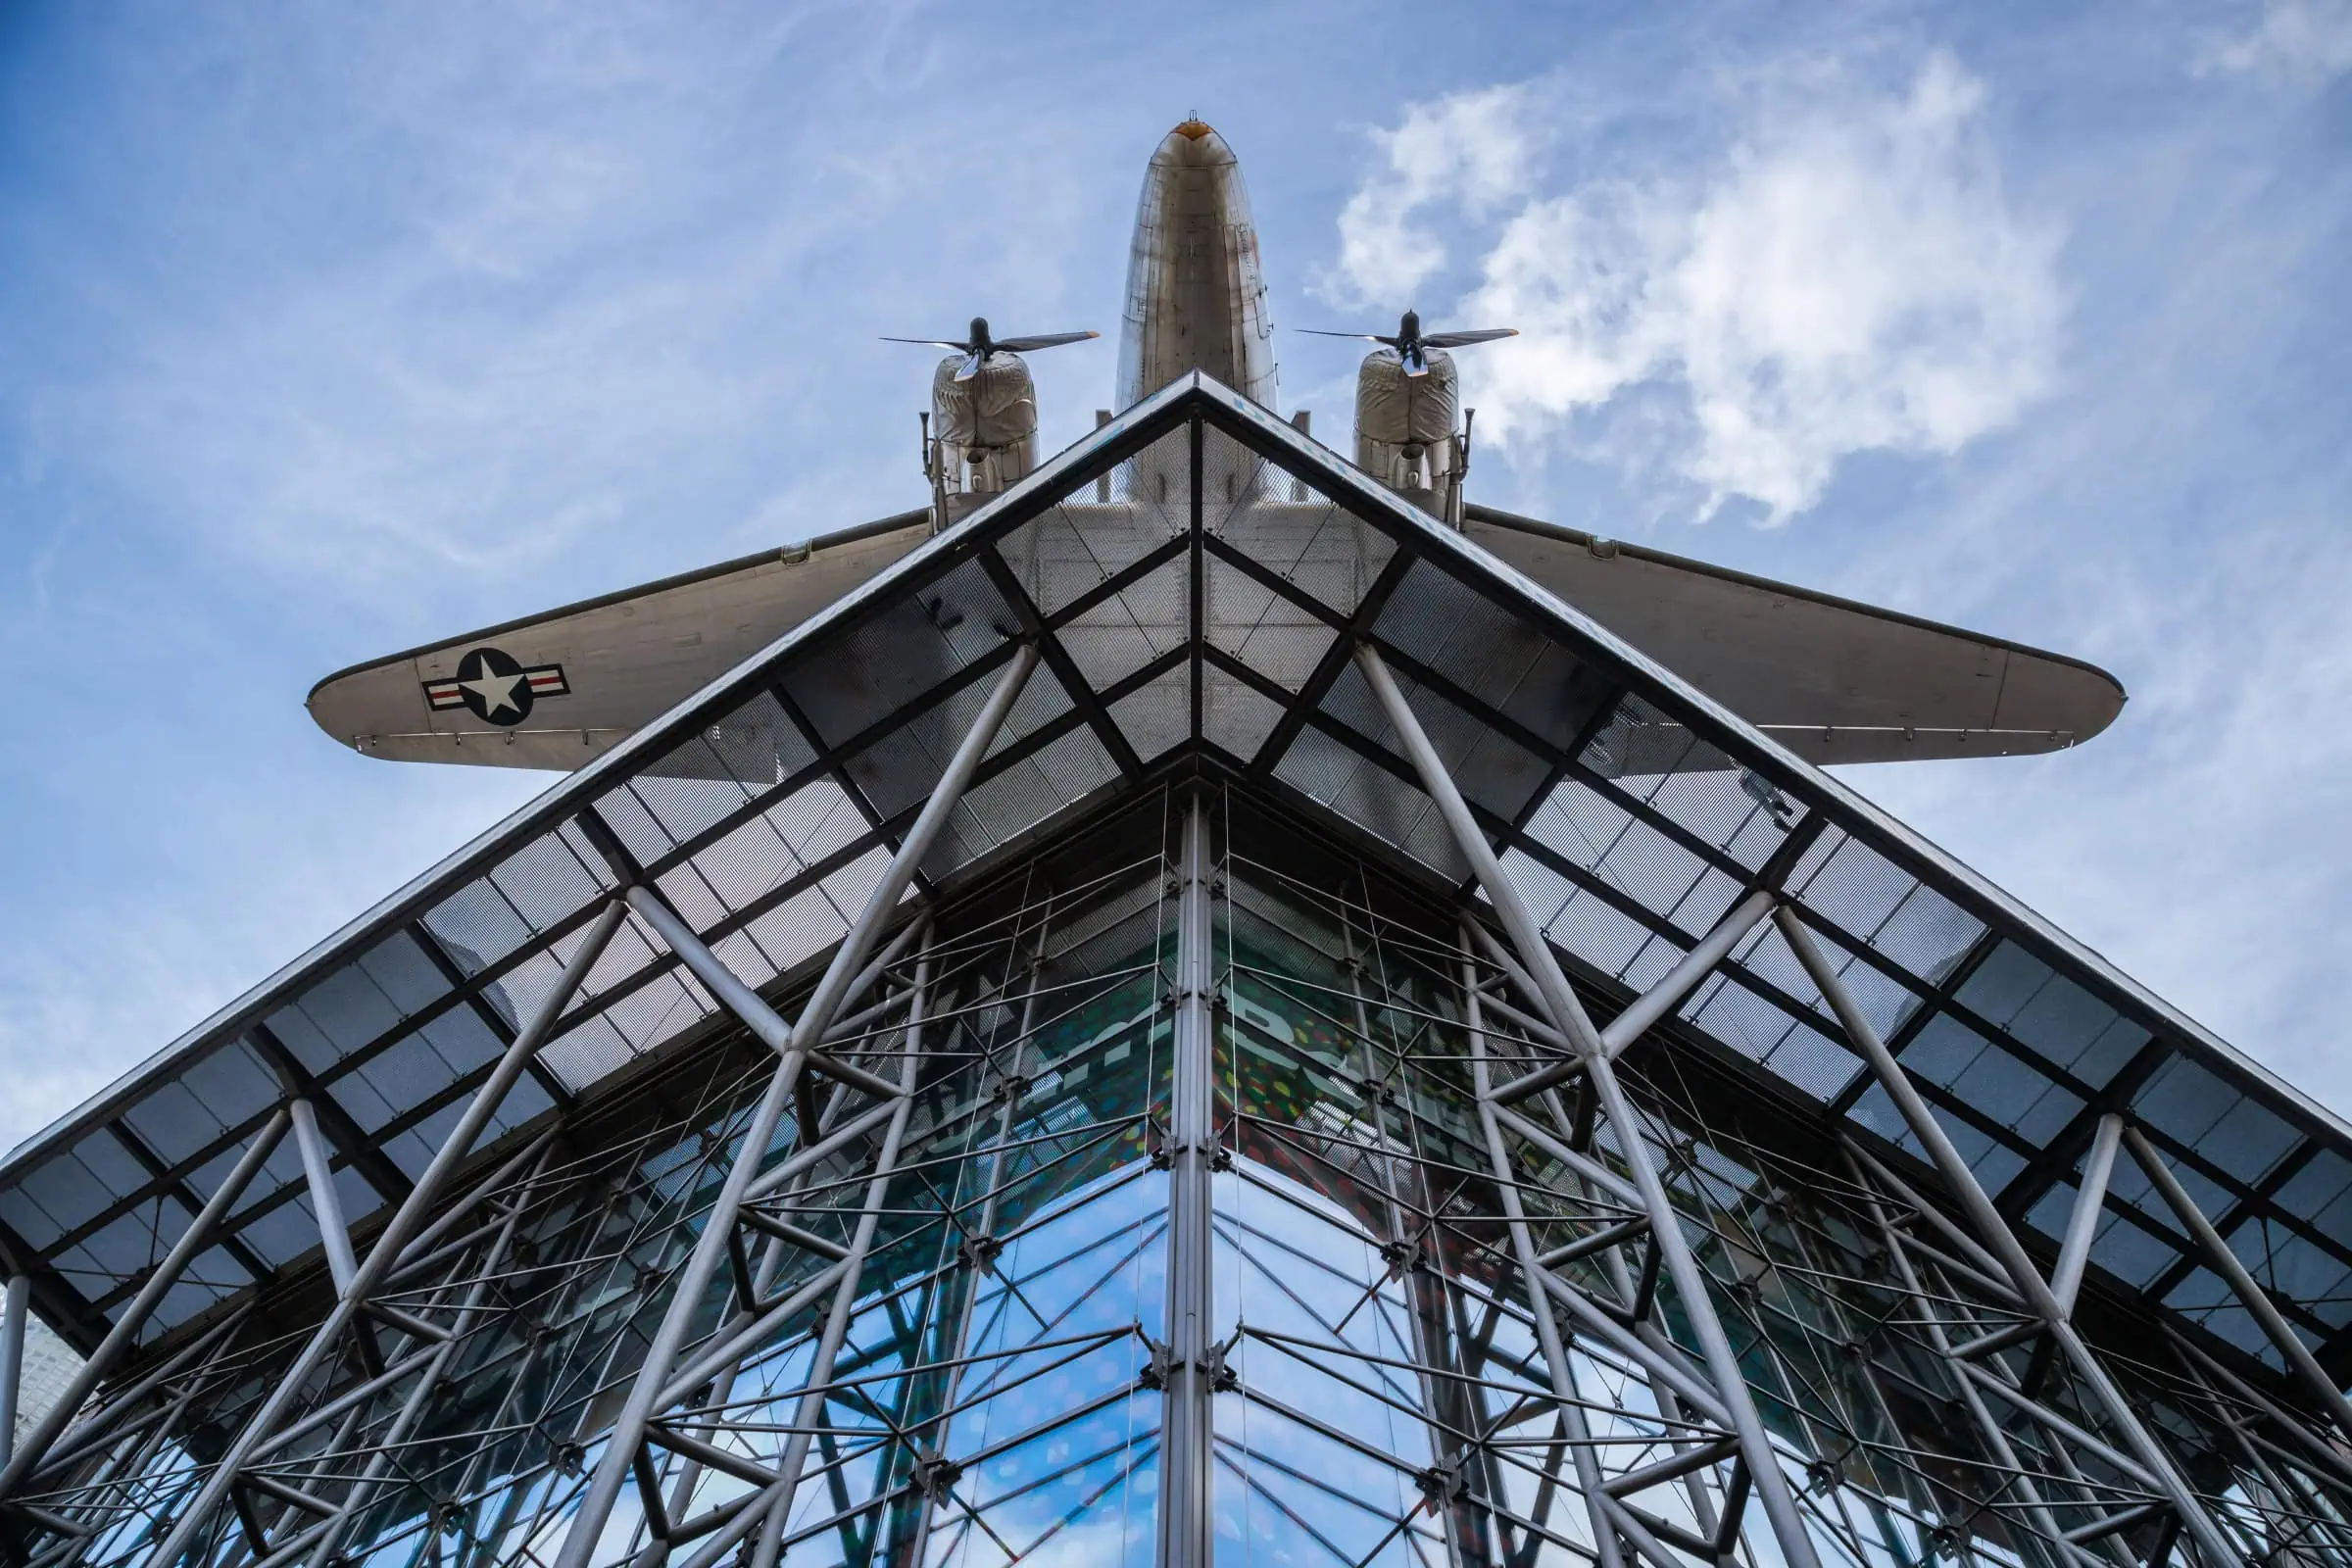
{"x": 2090, "y": 1200}
{"x": 1692, "y": 967}
{"x": 1568, "y": 1016}
{"x": 125, "y": 1331}
{"x": 1655, "y": 1003}
{"x": 1531, "y": 1271}
{"x": 1989, "y": 1430}
{"x": 1188, "y": 1426}
{"x": 793, "y": 1043}
{"x": 959, "y": 1340}
{"x": 806, "y": 1419}
{"x": 325, "y": 1203}
{"x": 405, "y": 1223}
{"x": 20, "y": 1308}
{"x": 1994, "y": 1233}
{"x": 100, "y": 1423}
{"x": 12, "y": 1359}
{"x": 388, "y": 1446}
{"x": 2224, "y": 1263}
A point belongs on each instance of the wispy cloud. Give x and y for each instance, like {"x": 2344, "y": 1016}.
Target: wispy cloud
{"x": 544, "y": 278}
{"x": 2053, "y": 352}
{"x": 2303, "y": 41}
{"x": 1843, "y": 273}
{"x": 1473, "y": 152}
{"x": 329, "y": 333}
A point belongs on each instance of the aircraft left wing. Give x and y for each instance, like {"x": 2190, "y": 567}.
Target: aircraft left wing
{"x": 558, "y": 689}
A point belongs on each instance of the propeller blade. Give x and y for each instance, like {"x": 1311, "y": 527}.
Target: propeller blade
{"x": 1414, "y": 365}
{"x": 932, "y": 343}
{"x": 1044, "y": 340}
{"x": 1368, "y": 337}
{"x": 1462, "y": 340}
{"x": 971, "y": 363}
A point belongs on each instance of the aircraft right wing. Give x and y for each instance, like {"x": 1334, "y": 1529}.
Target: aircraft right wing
{"x": 1833, "y": 680}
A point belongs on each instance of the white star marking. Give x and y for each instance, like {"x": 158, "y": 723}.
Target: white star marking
{"x": 496, "y": 692}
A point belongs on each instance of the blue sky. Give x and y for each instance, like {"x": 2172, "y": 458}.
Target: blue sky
{"x": 323, "y": 333}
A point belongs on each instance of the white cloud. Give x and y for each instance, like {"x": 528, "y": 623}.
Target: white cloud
{"x": 2299, "y": 41}
{"x": 1845, "y": 275}
{"x": 1473, "y": 150}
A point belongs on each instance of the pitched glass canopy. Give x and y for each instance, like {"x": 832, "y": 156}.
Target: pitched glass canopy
{"x": 1196, "y": 579}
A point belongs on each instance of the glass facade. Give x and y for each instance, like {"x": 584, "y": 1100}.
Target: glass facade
{"x": 1380, "y": 1390}
{"x": 1193, "y": 1020}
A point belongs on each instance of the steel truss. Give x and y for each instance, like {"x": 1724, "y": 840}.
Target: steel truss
{"x": 1191, "y": 1183}
{"x": 1443, "y": 1314}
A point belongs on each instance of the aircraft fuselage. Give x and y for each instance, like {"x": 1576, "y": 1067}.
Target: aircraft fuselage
{"x": 1196, "y": 293}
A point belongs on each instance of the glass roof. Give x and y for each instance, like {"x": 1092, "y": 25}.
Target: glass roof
{"x": 1205, "y": 624}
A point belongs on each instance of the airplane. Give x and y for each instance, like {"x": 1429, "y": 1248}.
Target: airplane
{"x": 1834, "y": 680}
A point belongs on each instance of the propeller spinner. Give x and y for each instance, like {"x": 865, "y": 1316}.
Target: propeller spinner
{"x": 1411, "y": 341}
{"x": 979, "y": 345}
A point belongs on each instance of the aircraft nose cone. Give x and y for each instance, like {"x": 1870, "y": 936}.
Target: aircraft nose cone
{"x": 1196, "y": 298}
{"x": 1195, "y": 144}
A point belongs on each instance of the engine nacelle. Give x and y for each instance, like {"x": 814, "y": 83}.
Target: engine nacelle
{"x": 1408, "y": 429}
{"x": 983, "y": 429}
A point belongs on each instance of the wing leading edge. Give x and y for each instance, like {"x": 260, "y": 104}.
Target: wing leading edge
{"x": 559, "y": 689}
{"x": 1833, "y": 680}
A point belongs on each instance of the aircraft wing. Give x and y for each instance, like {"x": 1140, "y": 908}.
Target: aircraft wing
{"x": 1831, "y": 680}
{"x": 558, "y": 689}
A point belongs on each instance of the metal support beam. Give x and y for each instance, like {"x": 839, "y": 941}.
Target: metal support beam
{"x": 1989, "y": 1430}
{"x": 1013, "y": 1085}
{"x": 360, "y": 1151}
{"x": 1568, "y": 1016}
{"x": 101, "y": 1422}
{"x": 1533, "y": 1275}
{"x": 325, "y": 1204}
{"x": 1684, "y": 978}
{"x": 811, "y": 1409}
{"x": 12, "y": 1359}
{"x": 125, "y": 1331}
{"x": 418, "y": 1399}
{"x": 2224, "y": 1263}
{"x": 1961, "y": 1183}
{"x": 792, "y": 1043}
{"x": 406, "y": 1222}
{"x": 1189, "y": 1426}
{"x": 1655, "y": 1003}
{"x": 2091, "y": 1201}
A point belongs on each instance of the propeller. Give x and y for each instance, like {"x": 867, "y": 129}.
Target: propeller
{"x": 1410, "y": 340}
{"x": 979, "y": 346}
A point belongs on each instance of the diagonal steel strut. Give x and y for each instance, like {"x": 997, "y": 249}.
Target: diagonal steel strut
{"x": 1994, "y": 1233}
{"x": 1568, "y": 1014}
{"x": 792, "y": 1041}
{"x": 405, "y": 1225}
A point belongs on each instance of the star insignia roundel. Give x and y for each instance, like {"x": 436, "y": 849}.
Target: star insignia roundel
{"x": 495, "y": 688}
